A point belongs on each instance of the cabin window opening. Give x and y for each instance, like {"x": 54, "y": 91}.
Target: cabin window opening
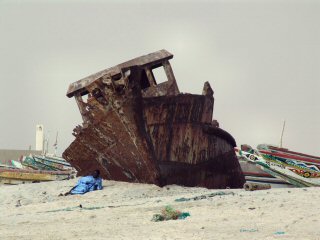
{"x": 117, "y": 77}
{"x": 159, "y": 75}
{"x": 85, "y": 98}
{"x": 144, "y": 80}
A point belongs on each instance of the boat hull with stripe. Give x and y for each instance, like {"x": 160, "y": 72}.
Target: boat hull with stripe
{"x": 295, "y": 168}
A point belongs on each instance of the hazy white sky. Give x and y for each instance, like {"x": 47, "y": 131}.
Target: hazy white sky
{"x": 261, "y": 57}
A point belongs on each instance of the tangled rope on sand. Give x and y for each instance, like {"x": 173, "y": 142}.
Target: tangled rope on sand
{"x": 204, "y": 196}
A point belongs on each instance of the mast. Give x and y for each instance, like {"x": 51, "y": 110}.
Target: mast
{"x": 56, "y": 144}
{"x": 281, "y": 137}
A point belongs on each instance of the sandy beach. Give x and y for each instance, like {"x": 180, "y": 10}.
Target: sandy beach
{"x": 124, "y": 211}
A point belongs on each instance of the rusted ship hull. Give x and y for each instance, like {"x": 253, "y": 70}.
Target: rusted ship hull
{"x": 136, "y": 130}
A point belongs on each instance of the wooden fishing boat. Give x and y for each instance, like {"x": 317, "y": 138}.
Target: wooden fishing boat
{"x": 46, "y": 163}
{"x": 18, "y": 176}
{"x": 295, "y": 168}
{"x": 253, "y": 172}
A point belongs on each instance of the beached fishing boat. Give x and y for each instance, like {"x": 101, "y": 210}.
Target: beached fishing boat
{"x": 45, "y": 163}
{"x": 253, "y": 172}
{"x": 138, "y": 127}
{"x": 18, "y": 176}
{"x": 35, "y": 168}
{"x": 295, "y": 168}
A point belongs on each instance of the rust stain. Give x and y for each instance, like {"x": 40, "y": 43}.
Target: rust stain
{"x": 137, "y": 130}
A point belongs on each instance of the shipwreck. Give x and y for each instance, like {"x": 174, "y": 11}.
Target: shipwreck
{"x": 136, "y": 129}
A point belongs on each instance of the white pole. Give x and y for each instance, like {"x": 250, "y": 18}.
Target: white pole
{"x": 39, "y": 137}
{"x": 283, "y": 127}
{"x": 48, "y": 142}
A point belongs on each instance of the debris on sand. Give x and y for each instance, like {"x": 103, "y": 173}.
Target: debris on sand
{"x": 169, "y": 213}
{"x": 204, "y": 196}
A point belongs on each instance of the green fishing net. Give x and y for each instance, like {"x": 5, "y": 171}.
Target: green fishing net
{"x": 169, "y": 213}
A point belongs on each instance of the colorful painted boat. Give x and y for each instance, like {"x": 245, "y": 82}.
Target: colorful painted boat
{"x": 253, "y": 172}
{"x": 18, "y": 176}
{"x": 295, "y": 168}
{"x": 46, "y": 163}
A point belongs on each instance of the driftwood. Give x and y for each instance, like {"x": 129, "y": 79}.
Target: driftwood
{"x": 256, "y": 186}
